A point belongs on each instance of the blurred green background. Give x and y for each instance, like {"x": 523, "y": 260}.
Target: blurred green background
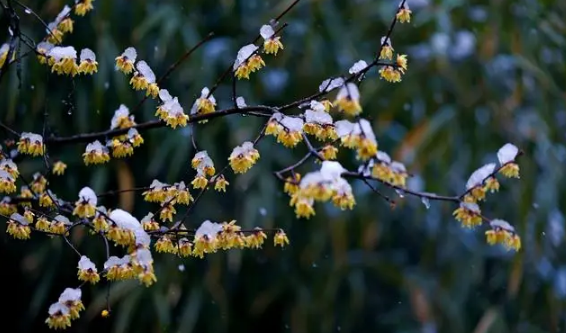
{"x": 481, "y": 73}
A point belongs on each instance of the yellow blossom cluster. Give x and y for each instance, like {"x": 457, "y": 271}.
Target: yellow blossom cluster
{"x": 66, "y": 309}
{"x": 143, "y": 77}
{"x": 211, "y": 237}
{"x": 171, "y": 111}
{"x": 4, "y": 50}
{"x": 288, "y": 130}
{"x": 482, "y": 181}
{"x": 83, "y": 7}
{"x": 31, "y": 144}
{"x": 205, "y": 104}
{"x": 358, "y": 136}
{"x": 63, "y": 60}
{"x": 395, "y": 70}
{"x": 503, "y": 233}
{"x": 322, "y": 186}
{"x": 388, "y": 171}
{"x": 271, "y": 43}
{"x": 243, "y": 157}
{"x": 247, "y": 62}
{"x": 96, "y": 153}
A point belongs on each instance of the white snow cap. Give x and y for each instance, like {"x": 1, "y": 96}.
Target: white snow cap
{"x": 501, "y": 224}
{"x": 507, "y": 153}
{"x": 331, "y": 169}
{"x": 87, "y": 55}
{"x": 241, "y": 102}
{"x": 124, "y": 220}
{"x": 95, "y": 146}
{"x": 164, "y": 95}
{"x": 131, "y": 54}
{"x": 122, "y": 111}
{"x": 383, "y": 157}
{"x": 317, "y": 106}
{"x": 62, "y": 52}
{"x": 350, "y": 91}
{"x": 58, "y": 308}
{"x": 473, "y": 207}
{"x": 293, "y": 124}
{"x": 43, "y": 45}
{"x": 480, "y": 175}
{"x": 142, "y": 237}
{"x": 209, "y": 229}
{"x": 318, "y": 117}
{"x": 88, "y": 195}
{"x": 62, "y": 219}
{"x": 266, "y": 31}
{"x": 357, "y": 67}
{"x": 85, "y": 264}
{"x": 331, "y": 84}
{"x": 243, "y": 54}
{"x": 144, "y": 257}
{"x": 144, "y": 69}
{"x": 70, "y": 294}
{"x": 18, "y": 218}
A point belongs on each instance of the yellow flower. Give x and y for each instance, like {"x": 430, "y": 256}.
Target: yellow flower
{"x": 147, "y": 277}
{"x": 59, "y": 316}
{"x": 87, "y": 271}
{"x": 387, "y": 49}
{"x": 404, "y": 13}
{"x": 247, "y": 62}
{"x": 121, "y": 148}
{"x": 272, "y": 45}
{"x": 256, "y": 238}
{"x": 7, "y": 182}
{"x": 367, "y": 149}
{"x": 280, "y": 238}
{"x": 167, "y": 212}
{"x": 390, "y": 74}
{"x": 200, "y": 182}
{"x": 139, "y": 82}
{"x": 46, "y": 201}
{"x": 165, "y": 245}
{"x": 96, "y": 153}
{"x": 255, "y": 63}
{"x": 220, "y": 183}
{"x": 56, "y": 35}
{"x": 503, "y": 233}
{"x": 491, "y": 184}
{"x": 39, "y": 183}
{"x": 125, "y": 62}
{"x": 6, "y": 208}
{"x": 66, "y": 25}
{"x": 243, "y": 157}
{"x": 100, "y": 223}
{"x": 468, "y": 214}
{"x": 510, "y": 170}
{"x": 243, "y": 71}
{"x": 105, "y": 313}
{"x": 185, "y": 247}
{"x": 31, "y": 144}
{"x": 303, "y": 206}
{"x": 205, "y": 104}
{"x": 59, "y": 168}
{"x": 83, "y": 7}
{"x": 42, "y": 224}
{"x": 348, "y": 100}
{"x": 344, "y": 201}
{"x": 329, "y": 152}
{"x": 402, "y": 62}
{"x": 18, "y": 227}
{"x": 292, "y": 184}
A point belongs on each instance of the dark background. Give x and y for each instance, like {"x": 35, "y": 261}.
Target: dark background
{"x": 481, "y": 73}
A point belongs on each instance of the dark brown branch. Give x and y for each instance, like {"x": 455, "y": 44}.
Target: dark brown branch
{"x": 89, "y": 137}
